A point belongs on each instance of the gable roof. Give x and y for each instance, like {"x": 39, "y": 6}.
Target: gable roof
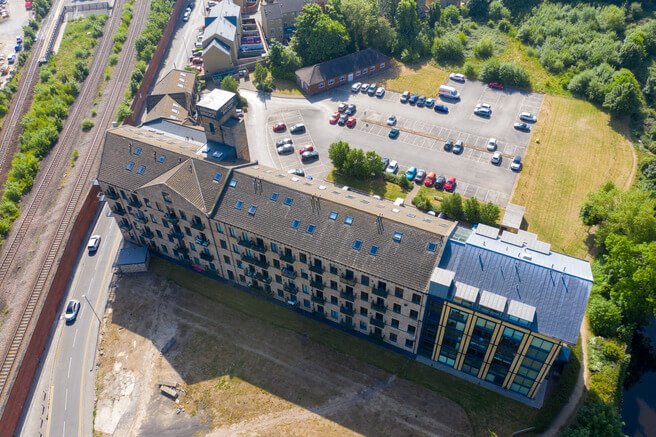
{"x": 558, "y": 295}
{"x": 225, "y": 23}
{"x": 175, "y": 81}
{"x": 276, "y": 10}
{"x": 373, "y": 223}
{"x": 168, "y": 108}
{"x": 341, "y": 66}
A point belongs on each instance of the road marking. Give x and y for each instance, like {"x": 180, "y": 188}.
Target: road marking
{"x": 64, "y": 431}
{"x": 75, "y": 337}
{"x": 70, "y": 361}
{"x": 65, "y": 404}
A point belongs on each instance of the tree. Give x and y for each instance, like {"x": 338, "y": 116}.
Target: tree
{"x": 478, "y": 9}
{"x": 260, "y": 74}
{"x": 631, "y": 215}
{"x": 489, "y": 214}
{"x": 338, "y": 153}
{"x": 356, "y": 164}
{"x": 374, "y": 164}
{"x": 229, "y": 83}
{"x": 433, "y": 14}
{"x": 596, "y": 418}
{"x": 387, "y": 8}
{"x": 422, "y": 202}
{"x": 649, "y": 89}
{"x": 452, "y": 206}
{"x": 472, "y": 210}
{"x": 407, "y": 22}
{"x": 450, "y": 15}
{"x": 382, "y": 36}
{"x": 612, "y": 18}
{"x": 605, "y": 316}
{"x": 598, "y": 204}
{"x": 623, "y": 99}
{"x": 318, "y": 37}
{"x": 633, "y": 53}
{"x": 484, "y": 48}
{"x": 448, "y": 49}
{"x": 283, "y": 60}
{"x": 498, "y": 11}
{"x": 359, "y": 19}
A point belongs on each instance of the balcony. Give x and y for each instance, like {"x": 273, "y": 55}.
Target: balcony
{"x": 176, "y": 234}
{"x": 171, "y": 217}
{"x": 317, "y": 269}
{"x": 207, "y": 256}
{"x": 291, "y": 274}
{"x": 347, "y": 311}
{"x": 346, "y": 324}
{"x": 125, "y": 225}
{"x": 259, "y": 248}
{"x": 319, "y": 313}
{"x": 259, "y": 276}
{"x": 378, "y": 307}
{"x": 377, "y": 322}
{"x": 379, "y": 291}
{"x": 197, "y": 225}
{"x": 202, "y": 241}
{"x": 181, "y": 249}
{"x": 287, "y": 257}
{"x": 135, "y": 203}
{"x": 379, "y": 337}
{"x": 349, "y": 280}
{"x": 147, "y": 233}
{"x": 255, "y": 261}
{"x": 318, "y": 299}
{"x": 319, "y": 285}
{"x": 118, "y": 211}
{"x": 111, "y": 195}
{"x": 289, "y": 288}
{"x": 141, "y": 219}
{"x": 252, "y": 245}
{"x": 347, "y": 296}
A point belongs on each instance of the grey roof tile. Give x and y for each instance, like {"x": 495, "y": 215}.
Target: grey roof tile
{"x": 340, "y": 66}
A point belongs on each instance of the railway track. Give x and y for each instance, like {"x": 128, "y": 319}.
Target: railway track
{"x": 52, "y": 174}
{"x": 18, "y": 107}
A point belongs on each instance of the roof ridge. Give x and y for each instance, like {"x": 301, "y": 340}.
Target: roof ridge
{"x": 200, "y": 189}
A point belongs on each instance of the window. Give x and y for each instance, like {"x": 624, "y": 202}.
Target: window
{"x": 212, "y": 128}
{"x": 322, "y": 85}
{"x": 233, "y": 234}
{"x": 357, "y": 244}
{"x": 392, "y": 337}
{"x": 363, "y": 325}
{"x": 364, "y": 296}
{"x": 373, "y": 251}
{"x": 288, "y": 201}
{"x": 414, "y": 314}
{"x": 364, "y": 280}
{"x": 239, "y": 204}
{"x": 219, "y": 228}
{"x": 416, "y": 298}
{"x": 161, "y": 158}
{"x": 187, "y": 231}
{"x": 274, "y": 196}
{"x": 333, "y": 285}
{"x": 252, "y": 209}
{"x": 382, "y": 65}
{"x": 192, "y": 246}
{"x": 305, "y": 288}
{"x": 159, "y": 233}
{"x": 334, "y": 314}
{"x": 218, "y": 176}
{"x": 224, "y": 245}
{"x": 363, "y": 311}
{"x": 395, "y": 323}
{"x": 333, "y": 215}
{"x": 396, "y": 308}
{"x": 398, "y": 292}
{"x": 164, "y": 249}
{"x": 276, "y": 264}
{"x": 431, "y": 247}
{"x": 365, "y": 71}
{"x": 274, "y": 247}
{"x": 348, "y": 220}
{"x": 130, "y": 166}
{"x": 142, "y": 169}
{"x": 412, "y": 329}
{"x": 331, "y": 82}
{"x": 295, "y": 223}
{"x": 310, "y": 229}
{"x": 409, "y": 344}
{"x": 342, "y": 78}
{"x": 306, "y": 303}
{"x": 226, "y": 259}
{"x": 333, "y": 300}
{"x": 302, "y": 257}
{"x": 235, "y": 248}
{"x": 166, "y": 197}
{"x": 183, "y": 216}
{"x": 358, "y": 73}
{"x": 397, "y": 237}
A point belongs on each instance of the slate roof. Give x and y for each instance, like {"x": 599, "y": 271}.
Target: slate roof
{"x": 191, "y": 178}
{"x": 406, "y": 262}
{"x": 276, "y": 10}
{"x": 341, "y": 66}
{"x": 225, "y": 23}
{"x": 175, "y": 81}
{"x": 559, "y": 297}
{"x": 167, "y": 108}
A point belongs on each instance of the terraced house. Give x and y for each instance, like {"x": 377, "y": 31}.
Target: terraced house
{"x": 498, "y": 309}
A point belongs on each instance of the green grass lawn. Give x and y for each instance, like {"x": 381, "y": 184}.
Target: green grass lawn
{"x": 424, "y": 79}
{"x": 487, "y": 411}
{"x": 574, "y": 149}
{"x": 379, "y": 186}
{"x": 287, "y": 87}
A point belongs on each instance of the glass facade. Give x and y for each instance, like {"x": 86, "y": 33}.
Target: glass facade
{"x": 528, "y": 371}
{"x": 480, "y": 340}
{"x": 453, "y": 334}
{"x": 503, "y": 358}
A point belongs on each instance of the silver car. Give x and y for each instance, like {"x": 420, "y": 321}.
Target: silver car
{"x": 286, "y": 149}
{"x": 72, "y": 309}
{"x": 496, "y": 158}
{"x": 93, "y": 244}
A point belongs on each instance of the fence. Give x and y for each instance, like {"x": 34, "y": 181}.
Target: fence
{"x": 153, "y": 67}
{"x": 20, "y": 389}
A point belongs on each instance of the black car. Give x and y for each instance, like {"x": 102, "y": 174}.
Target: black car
{"x": 309, "y": 156}
{"x": 443, "y": 109}
{"x": 297, "y": 128}
{"x": 342, "y": 120}
{"x": 413, "y": 99}
{"x": 522, "y": 127}
{"x": 386, "y": 162}
{"x": 421, "y": 101}
{"x": 458, "y": 147}
{"x": 448, "y": 146}
{"x": 439, "y": 182}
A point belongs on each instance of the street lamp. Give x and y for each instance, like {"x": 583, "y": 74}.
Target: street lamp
{"x": 92, "y": 309}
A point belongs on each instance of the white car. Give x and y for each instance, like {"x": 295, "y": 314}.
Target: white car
{"x": 94, "y": 243}
{"x": 458, "y": 77}
{"x": 482, "y": 111}
{"x": 496, "y": 158}
{"x": 380, "y": 92}
{"x": 355, "y": 88}
{"x": 484, "y": 105}
{"x": 392, "y": 167}
{"x": 492, "y": 144}
{"x": 516, "y": 164}
{"x": 72, "y": 309}
{"x": 527, "y": 116}
{"x": 391, "y": 120}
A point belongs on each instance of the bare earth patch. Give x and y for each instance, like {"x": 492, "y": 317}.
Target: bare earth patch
{"x": 244, "y": 376}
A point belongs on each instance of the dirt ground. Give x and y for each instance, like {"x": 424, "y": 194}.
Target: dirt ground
{"x": 241, "y": 376}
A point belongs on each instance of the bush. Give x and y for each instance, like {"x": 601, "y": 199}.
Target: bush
{"x": 87, "y": 124}
{"x": 605, "y": 316}
{"x": 422, "y": 202}
{"x": 452, "y": 206}
{"x": 596, "y": 419}
{"x": 506, "y": 73}
{"x": 404, "y": 183}
{"x": 612, "y": 351}
{"x": 470, "y": 71}
{"x": 448, "y": 49}
{"x": 484, "y": 48}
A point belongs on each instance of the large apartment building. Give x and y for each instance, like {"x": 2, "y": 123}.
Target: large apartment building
{"x": 499, "y": 309}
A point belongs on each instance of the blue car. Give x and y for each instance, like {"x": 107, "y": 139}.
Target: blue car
{"x": 413, "y": 99}
{"x": 443, "y": 109}
{"x": 410, "y": 173}
{"x": 394, "y": 133}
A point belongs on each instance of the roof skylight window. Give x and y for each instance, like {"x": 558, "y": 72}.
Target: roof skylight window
{"x": 310, "y": 229}
{"x": 239, "y": 204}
{"x": 348, "y": 220}
{"x": 289, "y": 201}
{"x": 431, "y": 247}
{"x": 373, "y": 251}
{"x": 142, "y": 169}
{"x": 137, "y": 151}
{"x": 274, "y": 196}
{"x": 295, "y": 223}
{"x": 217, "y": 177}
{"x": 130, "y": 165}
{"x": 333, "y": 215}
{"x": 357, "y": 244}
{"x": 397, "y": 237}
{"x": 252, "y": 209}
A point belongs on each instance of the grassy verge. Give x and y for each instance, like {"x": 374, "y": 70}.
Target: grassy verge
{"x": 424, "y": 78}
{"x": 57, "y": 89}
{"x": 379, "y": 186}
{"x": 574, "y": 151}
{"x": 286, "y": 87}
{"x": 487, "y": 411}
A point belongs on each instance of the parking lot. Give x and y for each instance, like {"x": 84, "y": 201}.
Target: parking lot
{"x": 423, "y": 133}
{"x": 10, "y": 28}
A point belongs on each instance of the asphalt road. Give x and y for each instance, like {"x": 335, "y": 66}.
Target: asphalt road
{"x": 62, "y": 400}
{"x": 420, "y": 143}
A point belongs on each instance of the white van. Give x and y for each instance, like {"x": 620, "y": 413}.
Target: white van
{"x": 449, "y": 92}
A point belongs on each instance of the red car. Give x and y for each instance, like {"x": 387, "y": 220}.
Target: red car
{"x": 306, "y": 149}
{"x": 280, "y": 127}
{"x": 350, "y": 122}
{"x": 495, "y": 85}
{"x": 430, "y": 179}
{"x": 450, "y": 184}
{"x": 334, "y": 118}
